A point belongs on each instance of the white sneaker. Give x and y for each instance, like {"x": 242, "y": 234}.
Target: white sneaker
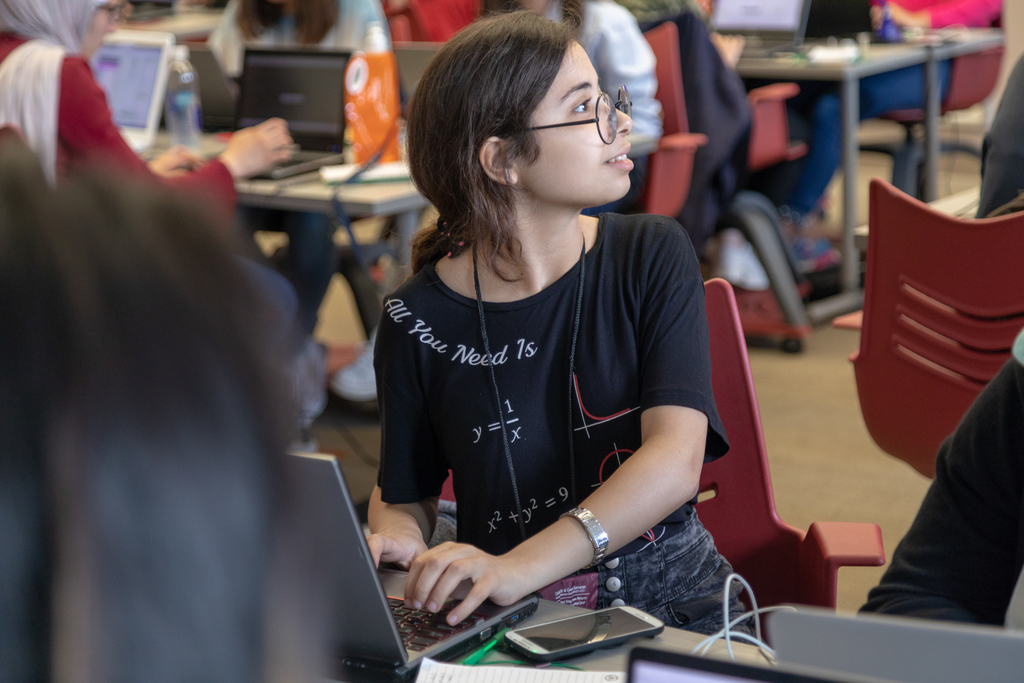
{"x": 738, "y": 264}
{"x": 357, "y": 381}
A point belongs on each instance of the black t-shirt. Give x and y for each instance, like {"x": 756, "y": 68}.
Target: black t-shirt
{"x": 643, "y": 342}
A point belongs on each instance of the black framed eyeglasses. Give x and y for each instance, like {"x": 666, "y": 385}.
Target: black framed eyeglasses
{"x": 606, "y": 118}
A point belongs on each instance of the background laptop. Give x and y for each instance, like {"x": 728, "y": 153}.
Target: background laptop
{"x": 839, "y": 18}
{"x": 132, "y": 67}
{"x": 661, "y": 666}
{"x": 413, "y": 59}
{"x": 303, "y": 87}
{"x": 768, "y": 25}
{"x": 898, "y": 648}
{"x": 375, "y": 632}
{"x": 217, "y": 92}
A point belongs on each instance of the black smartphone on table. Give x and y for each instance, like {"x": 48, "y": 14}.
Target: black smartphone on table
{"x": 562, "y": 638}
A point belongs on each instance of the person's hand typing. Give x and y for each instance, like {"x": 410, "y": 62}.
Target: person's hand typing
{"x": 175, "y": 161}
{"x": 395, "y": 546}
{"x": 436, "y": 573}
{"x": 256, "y": 149}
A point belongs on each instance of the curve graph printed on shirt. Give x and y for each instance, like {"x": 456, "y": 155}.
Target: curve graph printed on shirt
{"x": 586, "y": 414}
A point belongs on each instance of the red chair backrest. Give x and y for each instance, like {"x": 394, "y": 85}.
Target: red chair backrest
{"x": 664, "y": 41}
{"x": 972, "y": 78}
{"x": 742, "y": 517}
{"x": 943, "y": 302}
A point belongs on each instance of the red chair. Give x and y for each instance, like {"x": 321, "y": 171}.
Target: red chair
{"x": 971, "y": 79}
{"x": 670, "y": 167}
{"x": 769, "y": 127}
{"x": 781, "y": 562}
{"x": 943, "y": 302}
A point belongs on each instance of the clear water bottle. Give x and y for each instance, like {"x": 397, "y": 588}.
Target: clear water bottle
{"x": 184, "y": 113}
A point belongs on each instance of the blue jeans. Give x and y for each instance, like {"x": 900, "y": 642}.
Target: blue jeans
{"x": 679, "y": 581}
{"x": 900, "y": 89}
{"x": 311, "y": 255}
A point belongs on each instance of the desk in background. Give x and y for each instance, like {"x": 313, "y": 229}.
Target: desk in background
{"x": 879, "y": 59}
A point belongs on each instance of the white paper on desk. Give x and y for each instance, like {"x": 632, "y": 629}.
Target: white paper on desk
{"x": 833, "y": 54}
{"x": 380, "y": 173}
{"x": 436, "y": 672}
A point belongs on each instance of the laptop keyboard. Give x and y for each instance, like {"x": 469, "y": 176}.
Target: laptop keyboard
{"x": 421, "y": 629}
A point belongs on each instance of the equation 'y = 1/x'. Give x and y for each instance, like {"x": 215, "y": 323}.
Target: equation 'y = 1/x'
{"x": 584, "y": 413}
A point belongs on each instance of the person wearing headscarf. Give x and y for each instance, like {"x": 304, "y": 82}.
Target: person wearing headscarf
{"x": 48, "y": 92}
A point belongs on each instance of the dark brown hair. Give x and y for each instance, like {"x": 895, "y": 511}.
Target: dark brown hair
{"x": 313, "y": 18}
{"x": 486, "y": 81}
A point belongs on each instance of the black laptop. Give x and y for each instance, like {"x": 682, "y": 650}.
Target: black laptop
{"x": 378, "y": 637}
{"x": 769, "y": 26}
{"x": 303, "y": 87}
{"x": 217, "y": 91}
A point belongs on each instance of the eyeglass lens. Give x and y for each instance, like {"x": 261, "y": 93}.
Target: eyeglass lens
{"x": 607, "y": 121}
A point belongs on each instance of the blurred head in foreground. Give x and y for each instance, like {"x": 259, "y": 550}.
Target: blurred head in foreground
{"x": 140, "y": 438}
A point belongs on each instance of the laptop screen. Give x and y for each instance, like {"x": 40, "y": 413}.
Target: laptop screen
{"x": 305, "y": 89}
{"x": 758, "y": 15}
{"x": 128, "y": 75}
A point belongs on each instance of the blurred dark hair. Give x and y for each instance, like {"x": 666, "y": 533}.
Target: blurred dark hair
{"x": 313, "y": 18}
{"x": 140, "y": 438}
{"x": 486, "y": 81}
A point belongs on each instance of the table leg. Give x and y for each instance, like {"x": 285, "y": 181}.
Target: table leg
{"x": 932, "y": 147}
{"x": 406, "y": 225}
{"x": 851, "y": 158}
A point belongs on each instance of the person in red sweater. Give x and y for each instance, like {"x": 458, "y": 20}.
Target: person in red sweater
{"x": 932, "y": 14}
{"x": 47, "y": 91}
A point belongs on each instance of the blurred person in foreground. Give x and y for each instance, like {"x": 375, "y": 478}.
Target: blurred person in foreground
{"x": 145, "y": 525}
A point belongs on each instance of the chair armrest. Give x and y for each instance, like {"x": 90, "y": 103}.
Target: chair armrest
{"x": 682, "y": 141}
{"x": 829, "y": 546}
{"x": 769, "y": 126}
{"x": 669, "y": 171}
{"x": 851, "y": 321}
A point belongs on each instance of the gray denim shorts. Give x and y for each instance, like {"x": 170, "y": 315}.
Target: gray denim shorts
{"x": 679, "y": 581}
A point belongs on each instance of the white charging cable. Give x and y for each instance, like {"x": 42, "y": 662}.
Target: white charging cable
{"x": 705, "y": 645}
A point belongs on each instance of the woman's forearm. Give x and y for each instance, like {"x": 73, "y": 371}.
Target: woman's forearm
{"x": 660, "y": 477}
{"x": 410, "y": 517}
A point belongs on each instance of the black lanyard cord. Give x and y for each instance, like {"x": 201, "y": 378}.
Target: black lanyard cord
{"x": 497, "y": 395}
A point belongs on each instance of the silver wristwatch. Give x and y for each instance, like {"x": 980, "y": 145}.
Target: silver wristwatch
{"x": 594, "y": 530}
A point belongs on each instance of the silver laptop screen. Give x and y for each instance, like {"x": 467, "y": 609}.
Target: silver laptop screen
{"x": 757, "y": 15}
{"x": 128, "y": 75}
{"x": 653, "y": 672}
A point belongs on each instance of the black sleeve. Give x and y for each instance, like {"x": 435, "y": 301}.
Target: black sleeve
{"x": 675, "y": 361}
{"x": 961, "y": 558}
{"x": 1002, "y": 164}
{"x": 412, "y": 467}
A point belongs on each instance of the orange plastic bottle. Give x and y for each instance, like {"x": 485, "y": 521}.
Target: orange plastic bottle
{"x": 371, "y": 99}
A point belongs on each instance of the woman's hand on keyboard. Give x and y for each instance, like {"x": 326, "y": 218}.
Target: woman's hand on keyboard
{"x": 256, "y": 149}
{"x": 435, "y": 574}
{"x": 175, "y": 161}
{"x": 397, "y": 546}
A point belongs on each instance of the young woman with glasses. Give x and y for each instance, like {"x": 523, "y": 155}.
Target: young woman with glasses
{"x": 558, "y": 364}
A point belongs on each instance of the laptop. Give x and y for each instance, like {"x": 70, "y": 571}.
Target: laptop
{"x": 662, "y": 666}
{"x": 898, "y": 648}
{"x": 839, "y": 18}
{"x": 303, "y": 87}
{"x": 768, "y": 25}
{"x": 217, "y": 92}
{"x": 376, "y": 633}
{"x": 413, "y": 59}
{"x": 131, "y": 67}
